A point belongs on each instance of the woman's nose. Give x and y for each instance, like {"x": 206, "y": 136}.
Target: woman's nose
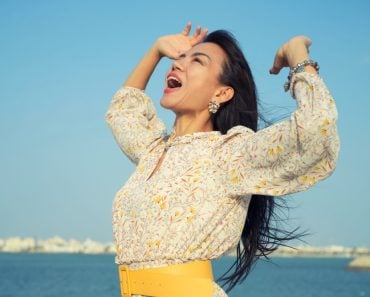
{"x": 177, "y": 65}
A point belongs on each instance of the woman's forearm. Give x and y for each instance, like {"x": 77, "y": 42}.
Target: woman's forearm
{"x": 141, "y": 74}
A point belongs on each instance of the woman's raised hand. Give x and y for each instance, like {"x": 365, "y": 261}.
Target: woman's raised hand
{"x": 172, "y": 46}
{"x": 294, "y": 51}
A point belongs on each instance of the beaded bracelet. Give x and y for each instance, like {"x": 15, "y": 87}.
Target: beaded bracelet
{"x": 299, "y": 68}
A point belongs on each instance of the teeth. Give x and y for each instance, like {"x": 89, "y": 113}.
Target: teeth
{"x": 172, "y": 77}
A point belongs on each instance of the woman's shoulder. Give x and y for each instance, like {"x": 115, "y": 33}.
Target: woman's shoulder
{"x": 239, "y": 129}
{"x": 130, "y": 92}
{"x": 235, "y": 133}
{"x": 232, "y": 139}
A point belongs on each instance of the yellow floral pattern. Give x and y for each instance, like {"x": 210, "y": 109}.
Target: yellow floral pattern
{"x": 194, "y": 206}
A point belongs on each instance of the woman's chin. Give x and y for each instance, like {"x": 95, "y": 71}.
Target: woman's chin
{"x": 165, "y": 102}
{"x": 169, "y": 101}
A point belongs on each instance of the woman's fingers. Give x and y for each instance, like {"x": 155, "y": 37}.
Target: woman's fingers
{"x": 187, "y": 29}
{"x": 274, "y": 70}
{"x": 199, "y": 35}
{"x": 306, "y": 41}
{"x": 197, "y": 31}
{"x": 203, "y": 34}
{"x": 298, "y": 44}
{"x": 279, "y": 62}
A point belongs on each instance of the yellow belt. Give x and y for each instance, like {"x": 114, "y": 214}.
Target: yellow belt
{"x": 181, "y": 280}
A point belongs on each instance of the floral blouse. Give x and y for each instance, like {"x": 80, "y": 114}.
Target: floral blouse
{"x": 195, "y": 205}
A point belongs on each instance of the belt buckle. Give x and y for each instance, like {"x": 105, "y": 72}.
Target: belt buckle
{"x": 124, "y": 281}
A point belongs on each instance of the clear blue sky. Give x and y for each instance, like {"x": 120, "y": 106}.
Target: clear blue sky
{"x": 61, "y": 62}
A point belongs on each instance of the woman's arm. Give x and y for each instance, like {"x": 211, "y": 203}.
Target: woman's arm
{"x": 292, "y": 155}
{"x": 139, "y": 77}
{"x": 170, "y": 46}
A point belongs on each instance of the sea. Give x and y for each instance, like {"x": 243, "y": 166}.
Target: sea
{"x": 69, "y": 275}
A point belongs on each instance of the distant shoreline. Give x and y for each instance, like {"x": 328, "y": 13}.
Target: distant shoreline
{"x": 57, "y": 244}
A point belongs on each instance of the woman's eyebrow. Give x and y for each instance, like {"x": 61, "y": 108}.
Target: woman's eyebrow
{"x": 194, "y": 55}
{"x": 200, "y": 54}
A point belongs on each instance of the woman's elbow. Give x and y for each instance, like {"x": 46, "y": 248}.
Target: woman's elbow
{"x": 328, "y": 154}
{"x": 333, "y": 148}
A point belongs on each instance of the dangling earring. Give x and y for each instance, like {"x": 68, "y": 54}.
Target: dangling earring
{"x": 213, "y": 106}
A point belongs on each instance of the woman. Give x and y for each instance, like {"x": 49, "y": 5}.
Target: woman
{"x": 190, "y": 198}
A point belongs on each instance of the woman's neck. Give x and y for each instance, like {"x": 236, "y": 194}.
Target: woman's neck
{"x": 185, "y": 124}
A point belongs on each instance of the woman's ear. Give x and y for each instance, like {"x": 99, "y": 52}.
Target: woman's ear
{"x": 224, "y": 94}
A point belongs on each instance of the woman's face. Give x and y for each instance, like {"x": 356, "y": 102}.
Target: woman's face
{"x": 193, "y": 80}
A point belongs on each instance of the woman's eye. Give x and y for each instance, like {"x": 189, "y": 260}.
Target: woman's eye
{"x": 197, "y": 60}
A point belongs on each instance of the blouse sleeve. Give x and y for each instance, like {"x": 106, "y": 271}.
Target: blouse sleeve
{"x": 132, "y": 118}
{"x": 289, "y": 156}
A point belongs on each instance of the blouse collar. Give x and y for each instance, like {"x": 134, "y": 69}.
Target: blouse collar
{"x": 173, "y": 139}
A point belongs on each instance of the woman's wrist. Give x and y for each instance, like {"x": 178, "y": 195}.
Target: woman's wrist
{"x": 154, "y": 52}
{"x": 298, "y": 53}
{"x": 308, "y": 65}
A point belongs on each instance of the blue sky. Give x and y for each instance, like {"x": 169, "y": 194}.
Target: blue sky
{"x": 62, "y": 61}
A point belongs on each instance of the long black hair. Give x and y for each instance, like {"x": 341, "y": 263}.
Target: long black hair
{"x": 262, "y": 232}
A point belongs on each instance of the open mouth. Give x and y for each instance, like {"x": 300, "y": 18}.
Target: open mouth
{"x": 173, "y": 82}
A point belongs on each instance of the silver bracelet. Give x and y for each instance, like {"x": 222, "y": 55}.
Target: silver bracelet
{"x": 299, "y": 68}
